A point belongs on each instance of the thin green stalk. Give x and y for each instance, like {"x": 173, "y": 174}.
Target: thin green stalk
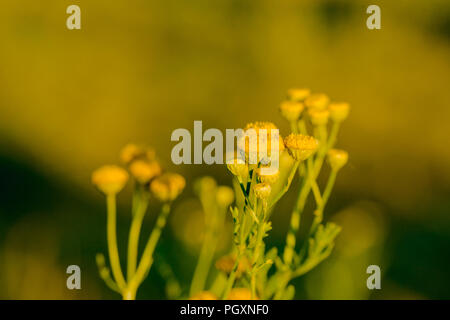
{"x": 112, "y": 241}
{"x": 141, "y": 203}
{"x": 147, "y": 257}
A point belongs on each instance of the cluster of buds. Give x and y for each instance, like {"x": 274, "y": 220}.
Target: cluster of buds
{"x": 146, "y": 171}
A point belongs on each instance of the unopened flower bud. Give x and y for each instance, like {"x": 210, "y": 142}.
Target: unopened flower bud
{"x": 298, "y": 95}
{"x": 168, "y": 186}
{"x": 339, "y": 111}
{"x": 110, "y": 179}
{"x": 262, "y": 190}
{"x": 337, "y": 158}
{"x": 300, "y": 146}
{"x": 317, "y": 101}
{"x": 144, "y": 171}
{"x": 291, "y": 110}
{"x": 319, "y": 117}
{"x": 268, "y": 174}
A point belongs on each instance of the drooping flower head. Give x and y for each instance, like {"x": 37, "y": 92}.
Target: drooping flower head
{"x": 132, "y": 152}
{"x": 110, "y": 179}
{"x": 300, "y": 146}
{"x": 168, "y": 186}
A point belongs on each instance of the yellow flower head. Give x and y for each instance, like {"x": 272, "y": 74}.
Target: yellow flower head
{"x": 269, "y": 174}
{"x": 168, "y": 186}
{"x": 110, "y": 179}
{"x": 226, "y": 264}
{"x": 339, "y": 111}
{"x": 319, "y": 117}
{"x": 238, "y": 166}
{"x": 298, "y": 95}
{"x": 240, "y": 294}
{"x": 317, "y": 101}
{"x": 132, "y": 152}
{"x": 224, "y": 196}
{"x": 204, "y": 295}
{"x": 291, "y": 110}
{"x": 337, "y": 158}
{"x": 262, "y": 190}
{"x": 249, "y": 146}
{"x": 143, "y": 171}
{"x": 301, "y": 147}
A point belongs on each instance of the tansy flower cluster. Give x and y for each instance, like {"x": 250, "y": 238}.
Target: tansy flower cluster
{"x": 149, "y": 180}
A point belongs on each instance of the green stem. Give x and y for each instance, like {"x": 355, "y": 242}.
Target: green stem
{"x": 112, "y": 241}
{"x": 141, "y": 203}
{"x": 147, "y": 257}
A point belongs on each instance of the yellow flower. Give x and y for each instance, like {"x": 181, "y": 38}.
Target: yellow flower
{"x": 224, "y": 196}
{"x": 238, "y": 166}
{"x": 339, "y": 111}
{"x": 168, "y": 186}
{"x": 262, "y": 190}
{"x": 143, "y": 171}
{"x": 298, "y": 95}
{"x": 226, "y": 264}
{"x": 250, "y": 150}
{"x": 317, "y": 101}
{"x": 110, "y": 179}
{"x": 269, "y": 174}
{"x": 240, "y": 294}
{"x": 300, "y": 147}
{"x": 319, "y": 117}
{"x": 291, "y": 110}
{"x": 132, "y": 152}
{"x": 337, "y": 158}
{"x": 204, "y": 295}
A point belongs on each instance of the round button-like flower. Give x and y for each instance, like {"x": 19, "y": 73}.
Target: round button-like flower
{"x": 240, "y": 294}
{"x": 110, "y": 179}
{"x": 143, "y": 171}
{"x": 339, "y": 111}
{"x": 262, "y": 190}
{"x": 300, "y": 146}
{"x": 168, "y": 186}
{"x": 298, "y": 95}
{"x": 251, "y": 147}
{"x": 318, "y": 101}
{"x": 291, "y": 110}
{"x": 319, "y": 117}
{"x": 337, "y": 158}
{"x": 237, "y": 165}
{"x": 224, "y": 196}
{"x": 132, "y": 151}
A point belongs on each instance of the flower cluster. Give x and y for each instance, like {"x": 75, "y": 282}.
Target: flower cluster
{"x": 149, "y": 179}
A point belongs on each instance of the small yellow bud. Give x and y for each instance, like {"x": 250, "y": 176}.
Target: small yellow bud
{"x": 291, "y": 110}
{"x": 298, "y": 95}
{"x": 143, "y": 171}
{"x": 262, "y": 190}
{"x": 168, "y": 186}
{"x": 337, "y": 158}
{"x": 238, "y": 166}
{"x": 204, "y": 295}
{"x": 240, "y": 294}
{"x": 319, "y": 117}
{"x": 339, "y": 111}
{"x": 317, "y": 101}
{"x": 110, "y": 179}
{"x": 132, "y": 152}
{"x": 268, "y": 174}
{"x": 224, "y": 196}
{"x": 301, "y": 147}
